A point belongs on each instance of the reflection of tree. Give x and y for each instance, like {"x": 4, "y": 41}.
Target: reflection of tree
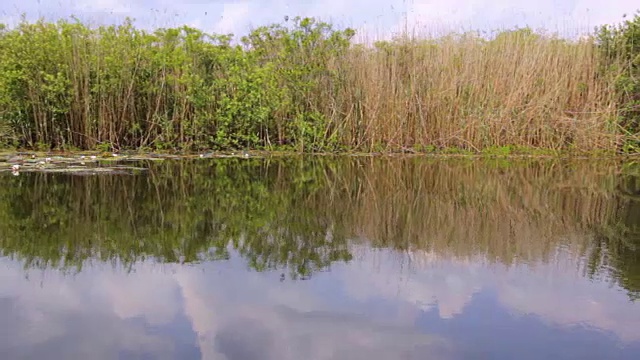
{"x": 179, "y": 213}
{"x": 617, "y": 245}
{"x": 300, "y": 213}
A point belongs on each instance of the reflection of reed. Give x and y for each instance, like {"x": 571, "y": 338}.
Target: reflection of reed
{"x": 305, "y": 213}
{"x": 467, "y": 208}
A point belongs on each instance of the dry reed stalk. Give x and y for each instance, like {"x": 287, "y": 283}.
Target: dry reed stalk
{"x": 462, "y": 91}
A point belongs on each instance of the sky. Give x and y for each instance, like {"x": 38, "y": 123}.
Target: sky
{"x": 373, "y": 18}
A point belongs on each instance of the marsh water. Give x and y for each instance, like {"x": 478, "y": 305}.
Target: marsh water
{"x": 323, "y": 258}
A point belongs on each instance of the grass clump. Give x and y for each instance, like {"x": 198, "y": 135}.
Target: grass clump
{"x": 304, "y": 85}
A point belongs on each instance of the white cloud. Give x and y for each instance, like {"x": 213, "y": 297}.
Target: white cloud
{"x": 437, "y": 282}
{"x": 68, "y": 316}
{"x": 376, "y": 16}
{"x": 238, "y": 313}
{"x": 128, "y": 299}
{"x": 555, "y": 292}
{"x": 234, "y": 15}
{"x": 233, "y": 314}
{"x": 565, "y": 17}
{"x": 561, "y": 296}
{"x": 106, "y": 6}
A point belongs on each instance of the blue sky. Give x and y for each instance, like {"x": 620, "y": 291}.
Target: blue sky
{"x": 376, "y": 18}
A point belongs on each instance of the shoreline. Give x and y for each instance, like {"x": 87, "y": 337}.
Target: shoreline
{"x": 26, "y": 154}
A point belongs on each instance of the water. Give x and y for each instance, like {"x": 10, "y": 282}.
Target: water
{"x": 323, "y": 258}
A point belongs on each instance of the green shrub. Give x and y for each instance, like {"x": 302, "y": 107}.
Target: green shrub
{"x": 67, "y": 85}
{"x": 620, "y": 45}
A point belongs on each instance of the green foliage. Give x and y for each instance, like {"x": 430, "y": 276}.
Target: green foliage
{"x": 298, "y": 58}
{"x": 67, "y": 85}
{"x": 620, "y": 45}
{"x": 302, "y": 85}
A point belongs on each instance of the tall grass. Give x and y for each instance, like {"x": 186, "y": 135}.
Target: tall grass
{"x": 518, "y": 89}
{"x": 300, "y": 85}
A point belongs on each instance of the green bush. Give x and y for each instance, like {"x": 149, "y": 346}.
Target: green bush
{"x": 620, "y": 45}
{"x": 67, "y": 85}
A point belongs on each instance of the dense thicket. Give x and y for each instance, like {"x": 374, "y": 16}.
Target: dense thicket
{"x": 620, "y": 45}
{"x": 304, "y": 85}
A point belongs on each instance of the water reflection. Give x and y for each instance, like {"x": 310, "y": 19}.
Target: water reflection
{"x": 406, "y": 258}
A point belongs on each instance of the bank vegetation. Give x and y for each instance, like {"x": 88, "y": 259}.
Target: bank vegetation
{"x": 303, "y": 85}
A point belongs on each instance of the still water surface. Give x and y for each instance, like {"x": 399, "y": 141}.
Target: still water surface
{"x": 323, "y": 258}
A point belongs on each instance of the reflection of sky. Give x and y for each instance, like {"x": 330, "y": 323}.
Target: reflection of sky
{"x": 380, "y": 306}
